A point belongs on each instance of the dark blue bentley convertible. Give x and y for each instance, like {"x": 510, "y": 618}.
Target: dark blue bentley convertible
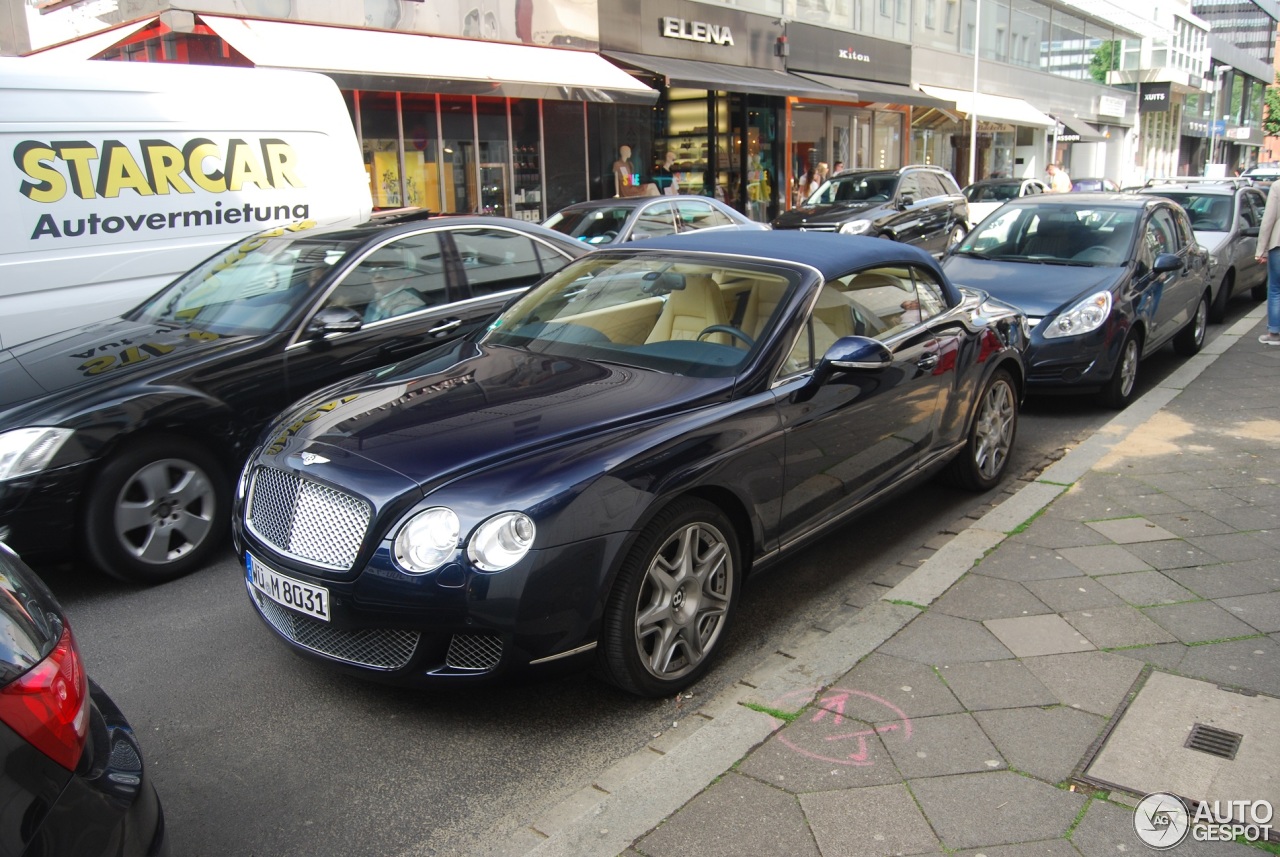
{"x": 594, "y": 475}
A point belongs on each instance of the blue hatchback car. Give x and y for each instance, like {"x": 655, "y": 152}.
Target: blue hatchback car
{"x": 1105, "y": 280}
{"x": 592, "y": 477}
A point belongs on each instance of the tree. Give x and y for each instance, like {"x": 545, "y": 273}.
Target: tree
{"x": 1271, "y": 115}
{"x": 1106, "y": 58}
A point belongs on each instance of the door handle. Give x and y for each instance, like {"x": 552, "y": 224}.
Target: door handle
{"x": 928, "y": 361}
{"x": 441, "y": 329}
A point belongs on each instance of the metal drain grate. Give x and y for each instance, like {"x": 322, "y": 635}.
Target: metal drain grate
{"x": 1214, "y": 741}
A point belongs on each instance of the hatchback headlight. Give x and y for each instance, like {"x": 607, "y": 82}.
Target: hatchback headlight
{"x": 857, "y": 227}
{"x": 1085, "y": 316}
{"x": 501, "y": 541}
{"x": 428, "y": 540}
{"x": 29, "y": 450}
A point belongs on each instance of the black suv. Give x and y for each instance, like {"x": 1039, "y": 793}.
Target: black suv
{"x": 919, "y": 204}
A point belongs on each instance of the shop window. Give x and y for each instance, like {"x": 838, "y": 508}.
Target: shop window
{"x": 421, "y": 150}
{"x": 458, "y": 154}
{"x": 380, "y": 132}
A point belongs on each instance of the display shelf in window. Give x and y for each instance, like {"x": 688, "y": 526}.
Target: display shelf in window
{"x": 527, "y": 187}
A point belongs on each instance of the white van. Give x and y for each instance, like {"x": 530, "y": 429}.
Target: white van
{"x": 115, "y": 177}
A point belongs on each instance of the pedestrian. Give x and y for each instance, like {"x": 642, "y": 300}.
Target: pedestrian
{"x": 1268, "y": 250}
{"x": 1059, "y": 181}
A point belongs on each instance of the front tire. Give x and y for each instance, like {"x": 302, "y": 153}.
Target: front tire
{"x": 1190, "y": 339}
{"x": 985, "y": 456}
{"x": 156, "y": 511}
{"x": 670, "y": 607}
{"x": 1118, "y": 391}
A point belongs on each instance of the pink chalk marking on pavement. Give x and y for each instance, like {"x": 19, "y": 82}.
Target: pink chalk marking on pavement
{"x": 832, "y": 705}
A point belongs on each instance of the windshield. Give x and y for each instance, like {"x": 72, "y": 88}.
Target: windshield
{"x": 873, "y": 188}
{"x": 655, "y": 311}
{"x": 1208, "y": 212}
{"x": 592, "y": 225}
{"x": 1000, "y": 192}
{"x": 248, "y": 288}
{"x": 1055, "y": 234}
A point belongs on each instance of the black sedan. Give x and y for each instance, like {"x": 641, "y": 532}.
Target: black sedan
{"x": 73, "y": 779}
{"x": 1105, "y": 279}
{"x": 123, "y": 437}
{"x": 594, "y": 475}
{"x": 601, "y": 222}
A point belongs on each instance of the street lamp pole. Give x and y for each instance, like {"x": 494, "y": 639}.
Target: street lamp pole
{"x": 973, "y": 103}
{"x": 1213, "y": 112}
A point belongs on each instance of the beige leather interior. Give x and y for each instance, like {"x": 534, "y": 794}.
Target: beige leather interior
{"x": 691, "y": 310}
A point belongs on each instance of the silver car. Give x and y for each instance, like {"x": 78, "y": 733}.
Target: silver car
{"x": 1225, "y": 214}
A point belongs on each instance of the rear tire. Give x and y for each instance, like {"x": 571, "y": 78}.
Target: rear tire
{"x": 1118, "y": 391}
{"x": 957, "y": 235}
{"x": 671, "y": 605}
{"x": 1190, "y": 339}
{"x": 982, "y": 462}
{"x": 157, "y": 510}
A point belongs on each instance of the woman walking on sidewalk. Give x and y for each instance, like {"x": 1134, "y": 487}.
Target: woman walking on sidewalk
{"x": 1269, "y": 251}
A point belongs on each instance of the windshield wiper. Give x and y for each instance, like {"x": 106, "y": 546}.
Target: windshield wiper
{"x": 1068, "y": 262}
{"x": 976, "y": 254}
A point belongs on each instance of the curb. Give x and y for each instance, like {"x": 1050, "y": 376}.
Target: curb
{"x": 636, "y": 794}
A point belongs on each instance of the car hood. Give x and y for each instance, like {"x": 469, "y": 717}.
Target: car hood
{"x": 99, "y": 353}
{"x": 470, "y": 406}
{"x": 821, "y": 215}
{"x": 1036, "y": 289}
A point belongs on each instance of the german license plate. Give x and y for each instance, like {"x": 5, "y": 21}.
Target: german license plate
{"x": 294, "y": 594}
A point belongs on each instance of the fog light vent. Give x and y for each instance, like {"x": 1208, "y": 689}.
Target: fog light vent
{"x": 1214, "y": 741}
{"x": 474, "y": 652}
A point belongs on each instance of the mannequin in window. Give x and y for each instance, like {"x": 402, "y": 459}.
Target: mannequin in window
{"x": 664, "y": 176}
{"x": 624, "y": 173}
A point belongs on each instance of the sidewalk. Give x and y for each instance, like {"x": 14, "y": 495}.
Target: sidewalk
{"x": 1026, "y": 685}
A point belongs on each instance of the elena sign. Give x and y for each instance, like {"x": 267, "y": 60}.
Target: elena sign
{"x": 696, "y": 31}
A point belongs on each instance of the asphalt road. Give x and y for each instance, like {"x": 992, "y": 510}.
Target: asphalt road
{"x": 256, "y": 752}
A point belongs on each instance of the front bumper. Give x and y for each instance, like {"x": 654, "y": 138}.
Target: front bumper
{"x": 455, "y": 624}
{"x": 38, "y": 512}
{"x": 1073, "y": 364}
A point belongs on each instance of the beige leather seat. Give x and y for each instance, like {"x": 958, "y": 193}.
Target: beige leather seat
{"x": 691, "y": 310}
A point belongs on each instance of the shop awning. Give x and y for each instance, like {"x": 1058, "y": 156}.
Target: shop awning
{"x": 997, "y": 107}
{"x": 730, "y": 78}
{"x": 372, "y": 59}
{"x": 90, "y": 46}
{"x": 1079, "y": 131}
{"x": 870, "y": 90}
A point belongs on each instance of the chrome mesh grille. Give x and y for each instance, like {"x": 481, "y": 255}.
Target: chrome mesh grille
{"x": 379, "y": 648}
{"x": 818, "y": 228}
{"x": 474, "y": 651}
{"x": 307, "y": 520}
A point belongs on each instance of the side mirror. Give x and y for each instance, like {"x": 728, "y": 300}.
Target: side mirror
{"x": 334, "y": 319}
{"x": 856, "y": 353}
{"x": 906, "y": 200}
{"x": 1166, "y": 262}
{"x": 1249, "y": 232}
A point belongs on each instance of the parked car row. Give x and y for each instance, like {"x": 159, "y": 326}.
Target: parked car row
{"x": 605, "y": 433}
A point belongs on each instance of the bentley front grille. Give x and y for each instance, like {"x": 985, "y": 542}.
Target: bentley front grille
{"x": 474, "y": 652}
{"x": 379, "y": 648}
{"x": 307, "y": 520}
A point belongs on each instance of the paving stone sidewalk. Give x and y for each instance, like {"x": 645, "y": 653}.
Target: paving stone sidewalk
{"x": 973, "y": 728}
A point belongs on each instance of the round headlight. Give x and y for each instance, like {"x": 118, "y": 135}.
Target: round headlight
{"x": 428, "y": 540}
{"x": 501, "y": 541}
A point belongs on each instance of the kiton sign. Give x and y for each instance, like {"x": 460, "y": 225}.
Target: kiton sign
{"x": 696, "y": 31}
{"x": 851, "y": 54}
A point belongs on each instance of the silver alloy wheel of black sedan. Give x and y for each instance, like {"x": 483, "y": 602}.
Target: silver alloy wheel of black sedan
{"x": 156, "y": 511}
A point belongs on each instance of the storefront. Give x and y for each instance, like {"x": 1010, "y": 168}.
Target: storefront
{"x": 448, "y": 124}
{"x": 723, "y": 107}
{"x": 1010, "y": 134}
{"x": 869, "y": 128}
